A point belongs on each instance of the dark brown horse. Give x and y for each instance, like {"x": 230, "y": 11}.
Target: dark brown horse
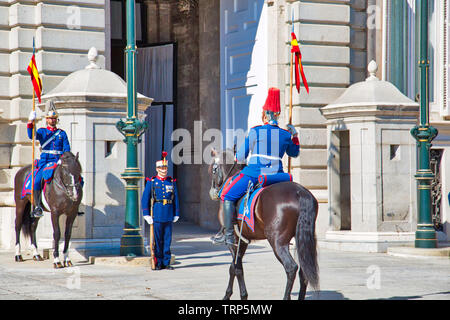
{"x": 283, "y": 211}
{"x": 62, "y": 196}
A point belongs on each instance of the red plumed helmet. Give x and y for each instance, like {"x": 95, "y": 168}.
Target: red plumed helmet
{"x": 163, "y": 162}
{"x": 273, "y": 101}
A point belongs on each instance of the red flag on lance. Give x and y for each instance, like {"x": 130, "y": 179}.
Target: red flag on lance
{"x": 35, "y": 78}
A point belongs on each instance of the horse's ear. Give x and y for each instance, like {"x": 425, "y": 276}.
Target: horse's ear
{"x": 76, "y": 157}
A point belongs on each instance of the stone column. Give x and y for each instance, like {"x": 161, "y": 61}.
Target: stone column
{"x": 209, "y": 96}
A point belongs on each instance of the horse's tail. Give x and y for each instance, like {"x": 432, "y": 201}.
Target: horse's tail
{"x": 26, "y": 220}
{"x": 306, "y": 238}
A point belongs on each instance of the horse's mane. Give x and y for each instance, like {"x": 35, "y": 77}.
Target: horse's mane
{"x": 69, "y": 157}
{"x": 227, "y": 158}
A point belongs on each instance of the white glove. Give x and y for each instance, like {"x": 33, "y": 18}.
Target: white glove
{"x": 175, "y": 219}
{"x": 149, "y": 219}
{"x": 291, "y": 129}
{"x": 32, "y": 116}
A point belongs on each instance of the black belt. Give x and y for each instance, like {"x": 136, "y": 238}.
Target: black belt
{"x": 164, "y": 201}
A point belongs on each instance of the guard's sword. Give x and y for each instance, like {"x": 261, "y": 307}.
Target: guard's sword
{"x": 249, "y": 188}
{"x": 152, "y": 238}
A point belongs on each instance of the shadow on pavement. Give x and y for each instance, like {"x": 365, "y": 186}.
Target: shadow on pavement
{"x": 323, "y": 295}
{"x": 186, "y": 247}
{"x": 417, "y": 296}
{"x": 177, "y": 266}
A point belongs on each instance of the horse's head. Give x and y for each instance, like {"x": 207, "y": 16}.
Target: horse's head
{"x": 70, "y": 164}
{"x": 221, "y": 168}
{"x": 69, "y": 174}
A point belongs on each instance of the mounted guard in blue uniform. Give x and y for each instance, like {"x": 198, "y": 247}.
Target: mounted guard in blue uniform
{"x": 54, "y": 143}
{"x": 264, "y": 147}
{"x": 163, "y": 190}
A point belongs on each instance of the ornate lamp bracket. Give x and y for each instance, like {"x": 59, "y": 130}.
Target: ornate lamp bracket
{"x": 132, "y": 130}
{"x": 424, "y": 134}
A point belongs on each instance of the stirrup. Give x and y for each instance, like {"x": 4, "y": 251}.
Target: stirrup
{"x": 234, "y": 244}
{"x": 228, "y": 242}
{"x": 219, "y": 238}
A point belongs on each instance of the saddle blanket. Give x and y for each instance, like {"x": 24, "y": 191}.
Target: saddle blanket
{"x": 47, "y": 174}
{"x": 247, "y": 214}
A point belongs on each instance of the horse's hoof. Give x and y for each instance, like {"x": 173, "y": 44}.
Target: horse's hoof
{"x": 18, "y": 258}
{"x": 37, "y": 258}
{"x": 227, "y": 296}
{"x": 58, "y": 265}
{"x": 68, "y": 263}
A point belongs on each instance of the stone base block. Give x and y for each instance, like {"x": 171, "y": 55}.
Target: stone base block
{"x": 7, "y": 232}
{"x": 125, "y": 261}
{"x": 409, "y": 252}
{"x": 365, "y": 241}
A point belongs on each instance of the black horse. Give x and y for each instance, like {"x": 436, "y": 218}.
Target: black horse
{"x": 282, "y": 211}
{"x": 62, "y": 196}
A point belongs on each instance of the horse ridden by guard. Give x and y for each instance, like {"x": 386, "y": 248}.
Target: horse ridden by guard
{"x": 57, "y": 187}
{"x": 270, "y": 205}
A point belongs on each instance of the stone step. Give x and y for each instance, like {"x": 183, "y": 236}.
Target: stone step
{"x": 443, "y": 251}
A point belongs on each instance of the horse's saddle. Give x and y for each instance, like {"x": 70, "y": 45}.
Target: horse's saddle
{"x": 47, "y": 173}
{"x": 246, "y": 205}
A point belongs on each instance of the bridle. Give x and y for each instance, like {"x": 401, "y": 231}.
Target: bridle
{"x": 65, "y": 187}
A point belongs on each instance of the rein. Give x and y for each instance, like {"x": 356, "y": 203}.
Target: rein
{"x": 227, "y": 175}
{"x": 214, "y": 192}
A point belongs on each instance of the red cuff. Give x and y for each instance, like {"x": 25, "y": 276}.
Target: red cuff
{"x": 30, "y": 125}
{"x": 296, "y": 141}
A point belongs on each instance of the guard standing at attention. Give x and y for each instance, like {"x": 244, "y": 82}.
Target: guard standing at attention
{"x": 163, "y": 190}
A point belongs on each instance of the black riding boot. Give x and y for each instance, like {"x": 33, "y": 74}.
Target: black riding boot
{"x": 37, "y": 212}
{"x": 229, "y": 208}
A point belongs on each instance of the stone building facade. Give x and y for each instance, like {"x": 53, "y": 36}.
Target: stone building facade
{"x": 334, "y": 48}
{"x": 337, "y": 40}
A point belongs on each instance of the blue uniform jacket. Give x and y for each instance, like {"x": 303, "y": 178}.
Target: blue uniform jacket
{"x": 163, "y": 189}
{"x": 60, "y": 143}
{"x": 266, "y": 145}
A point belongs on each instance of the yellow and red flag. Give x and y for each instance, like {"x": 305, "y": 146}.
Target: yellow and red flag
{"x": 35, "y": 79}
{"x": 298, "y": 64}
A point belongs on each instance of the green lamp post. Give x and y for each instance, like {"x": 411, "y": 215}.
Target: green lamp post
{"x": 131, "y": 242}
{"x": 424, "y": 133}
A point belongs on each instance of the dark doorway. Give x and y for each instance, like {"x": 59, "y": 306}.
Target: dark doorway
{"x": 156, "y": 78}
{"x": 340, "y": 180}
